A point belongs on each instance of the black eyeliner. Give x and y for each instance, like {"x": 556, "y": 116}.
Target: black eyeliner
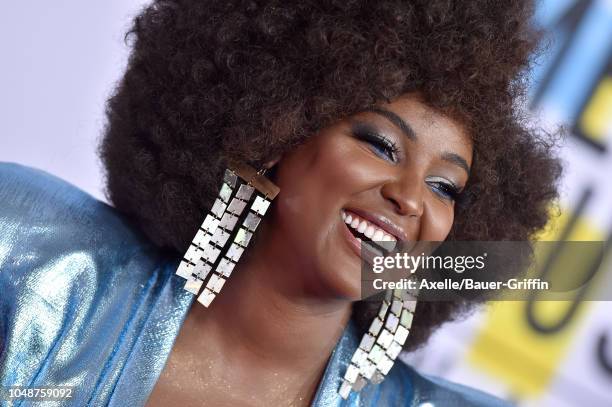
{"x": 369, "y": 133}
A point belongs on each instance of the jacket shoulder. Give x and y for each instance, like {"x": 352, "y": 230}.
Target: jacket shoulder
{"x": 37, "y": 205}
{"x": 78, "y": 285}
{"x": 32, "y": 195}
{"x": 52, "y": 231}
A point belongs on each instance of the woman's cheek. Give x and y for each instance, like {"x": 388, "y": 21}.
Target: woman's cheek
{"x": 357, "y": 168}
{"x": 437, "y": 222}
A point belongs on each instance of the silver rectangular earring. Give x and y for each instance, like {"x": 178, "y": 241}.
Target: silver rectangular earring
{"x": 196, "y": 263}
{"x": 382, "y": 344}
{"x": 226, "y": 231}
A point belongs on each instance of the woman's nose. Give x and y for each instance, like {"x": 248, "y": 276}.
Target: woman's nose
{"x": 406, "y": 194}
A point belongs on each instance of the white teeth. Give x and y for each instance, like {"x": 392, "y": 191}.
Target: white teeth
{"x": 369, "y": 232}
{"x": 362, "y": 226}
{"x": 343, "y": 215}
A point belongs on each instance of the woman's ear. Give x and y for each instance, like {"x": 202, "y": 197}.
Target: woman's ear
{"x": 271, "y": 167}
{"x": 269, "y": 164}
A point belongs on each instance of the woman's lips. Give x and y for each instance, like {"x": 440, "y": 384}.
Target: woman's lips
{"x": 361, "y": 249}
{"x": 378, "y": 222}
{"x": 354, "y": 243}
{"x": 378, "y": 237}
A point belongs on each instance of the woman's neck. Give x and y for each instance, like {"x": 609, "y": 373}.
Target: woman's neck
{"x": 267, "y": 327}
{"x": 264, "y": 313}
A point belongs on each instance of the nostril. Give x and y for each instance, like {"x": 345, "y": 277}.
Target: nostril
{"x": 406, "y": 197}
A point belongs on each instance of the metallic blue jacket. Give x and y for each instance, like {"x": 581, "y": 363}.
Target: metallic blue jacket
{"x": 87, "y": 301}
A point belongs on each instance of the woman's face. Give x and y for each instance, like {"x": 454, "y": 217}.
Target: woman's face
{"x": 398, "y": 168}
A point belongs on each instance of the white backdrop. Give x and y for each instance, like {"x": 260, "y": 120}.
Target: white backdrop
{"x": 60, "y": 60}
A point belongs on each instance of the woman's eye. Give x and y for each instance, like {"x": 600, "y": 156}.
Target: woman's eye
{"x": 382, "y": 146}
{"x": 445, "y": 189}
{"x": 385, "y": 149}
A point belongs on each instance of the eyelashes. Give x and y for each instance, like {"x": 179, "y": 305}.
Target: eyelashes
{"x": 388, "y": 150}
{"x": 445, "y": 189}
{"x": 382, "y": 146}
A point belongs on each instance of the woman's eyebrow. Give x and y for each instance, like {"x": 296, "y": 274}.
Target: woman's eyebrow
{"x": 456, "y": 159}
{"x": 452, "y": 158}
{"x": 395, "y": 119}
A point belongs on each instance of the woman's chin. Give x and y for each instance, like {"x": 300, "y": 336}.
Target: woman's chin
{"x": 344, "y": 283}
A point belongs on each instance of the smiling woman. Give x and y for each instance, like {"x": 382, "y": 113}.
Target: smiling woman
{"x": 388, "y": 166}
{"x": 253, "y": 147}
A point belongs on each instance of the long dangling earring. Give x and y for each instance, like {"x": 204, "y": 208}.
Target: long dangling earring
{"x": 219, "y": 243}
{"x": 382, "y": 344}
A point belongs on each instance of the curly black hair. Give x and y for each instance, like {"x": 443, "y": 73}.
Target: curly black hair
{"x": 209, "y": 81}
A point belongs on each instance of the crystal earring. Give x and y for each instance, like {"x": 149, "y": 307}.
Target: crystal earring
{"x": 382, "y": 344}
{"x": 226, "y": 230}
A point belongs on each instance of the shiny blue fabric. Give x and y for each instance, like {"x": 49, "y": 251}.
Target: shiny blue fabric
{"x": 87, "y": 301}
